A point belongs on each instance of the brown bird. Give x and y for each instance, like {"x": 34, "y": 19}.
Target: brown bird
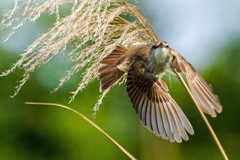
{"x": 149, "y": 95}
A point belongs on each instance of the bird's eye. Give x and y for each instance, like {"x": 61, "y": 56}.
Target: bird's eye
{"x": 167, "y": 46}
{"x": 155, "y": 46}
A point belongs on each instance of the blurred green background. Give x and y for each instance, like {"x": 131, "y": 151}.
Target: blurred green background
{"x": 48, "y": 132}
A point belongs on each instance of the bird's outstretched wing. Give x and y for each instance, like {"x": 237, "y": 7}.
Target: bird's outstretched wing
{"x": 201, "y": 90}
{"x": 109, "y": 73}
{"x": 155, "y": 107}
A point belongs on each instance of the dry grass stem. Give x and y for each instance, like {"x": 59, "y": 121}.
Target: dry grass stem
{"x": 204, "y": 117}
{"x": 89, "y": 121}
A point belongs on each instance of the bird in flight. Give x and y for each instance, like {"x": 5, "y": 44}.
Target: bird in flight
{"x": 149, "y": 95}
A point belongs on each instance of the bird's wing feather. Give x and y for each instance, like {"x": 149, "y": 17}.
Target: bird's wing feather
{"x": 201, "y": 90}
{"x": 155, "y": 107}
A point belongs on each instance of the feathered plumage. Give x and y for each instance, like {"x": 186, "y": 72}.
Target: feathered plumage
{"x": 155, "y": 107}
{"x": 149, "y": 95}
{"x": 201, "y": 90}
{"x": 109, "y": 73}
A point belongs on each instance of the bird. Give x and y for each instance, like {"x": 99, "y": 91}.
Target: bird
{"x": 154, "y": 106}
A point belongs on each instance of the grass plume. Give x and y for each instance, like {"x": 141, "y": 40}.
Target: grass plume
{"x": 93, "y": 28}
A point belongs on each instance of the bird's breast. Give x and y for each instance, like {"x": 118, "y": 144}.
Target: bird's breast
{"x": 161, "y": 54}
{"x": 158, "y": 60}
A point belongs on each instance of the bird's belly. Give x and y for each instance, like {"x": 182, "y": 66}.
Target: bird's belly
{"x": 157, "y": 68}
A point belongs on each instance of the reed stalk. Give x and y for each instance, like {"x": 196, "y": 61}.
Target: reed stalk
{"x": 204, "y": 117}
{"x": 89, "y": 121}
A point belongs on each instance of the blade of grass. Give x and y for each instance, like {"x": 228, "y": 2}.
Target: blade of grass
{"x": 89, "y": 121}
{"x": 204, "y": 117}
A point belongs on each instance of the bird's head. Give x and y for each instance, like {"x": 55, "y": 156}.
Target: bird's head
{"x": 161, "y": 44}
{"x": 161, "y": 50}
